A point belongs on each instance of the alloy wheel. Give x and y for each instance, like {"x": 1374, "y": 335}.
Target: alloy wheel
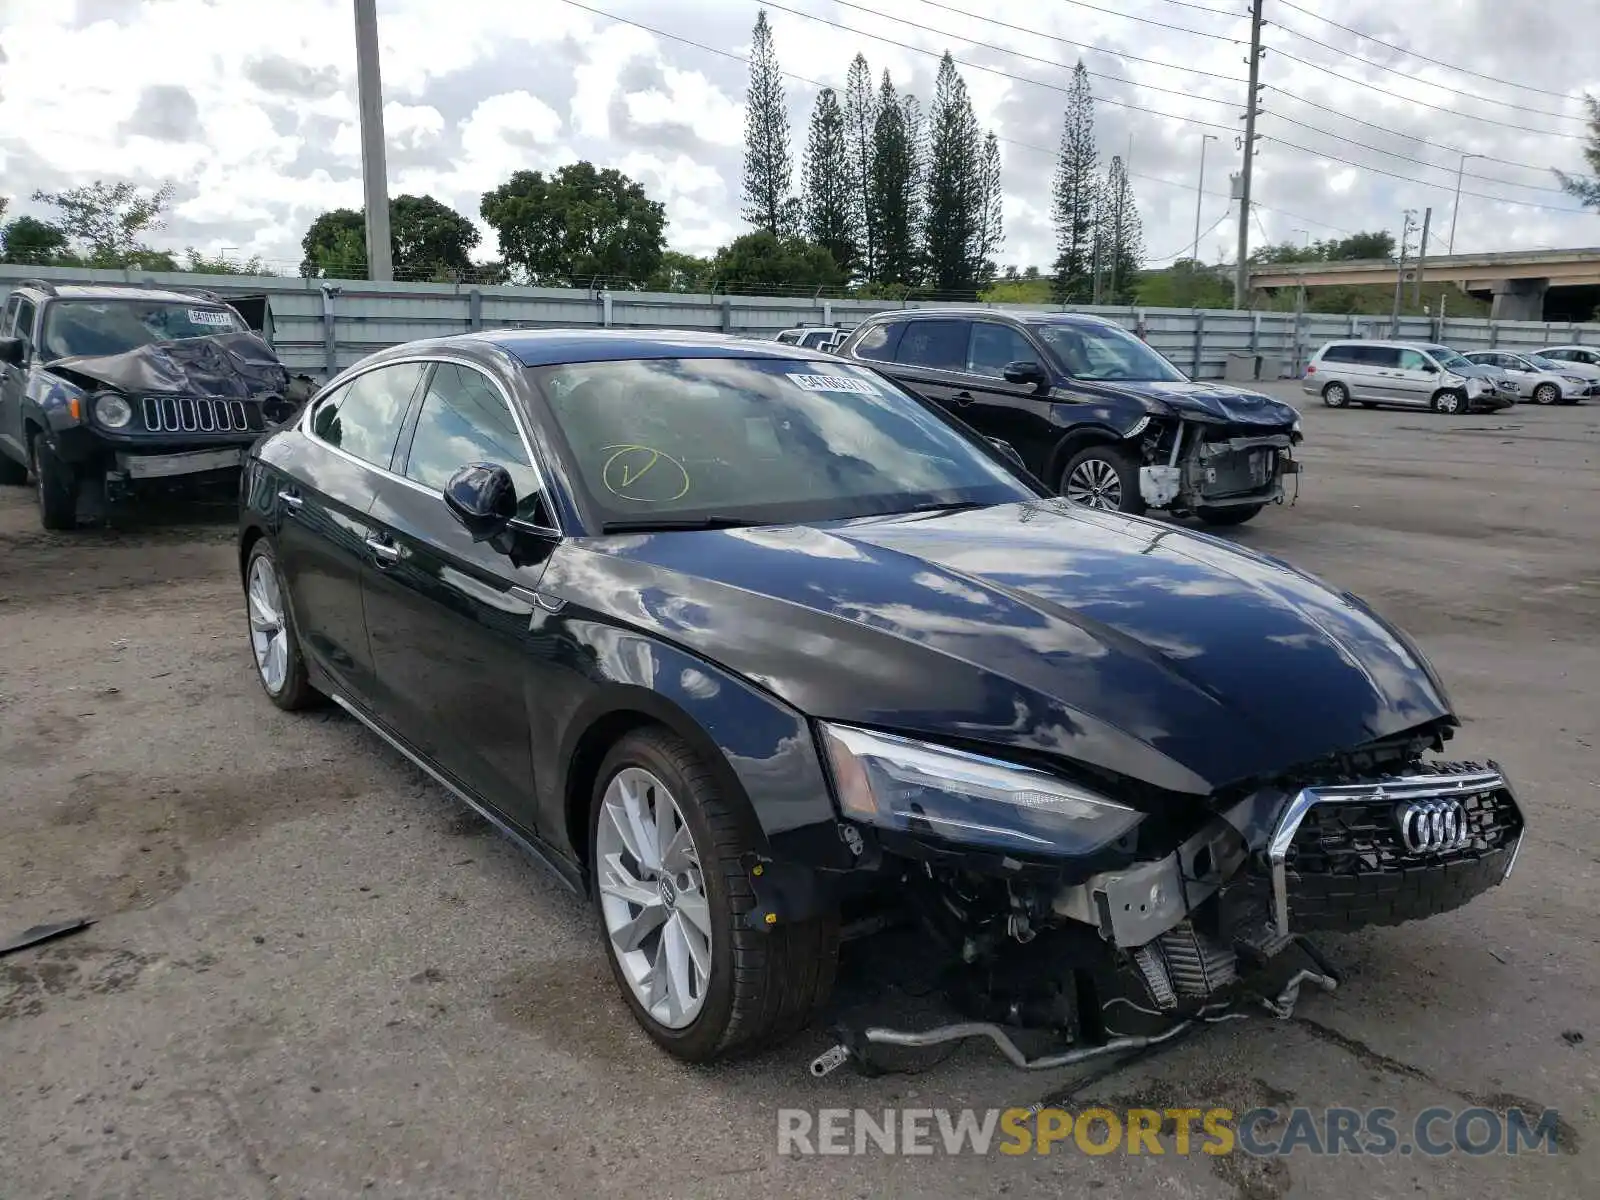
{"x": 1546, "y": 393}
{"x": 1094, "y": 483}
{"x": 653, "y": 897}
{"x": 1335, "y": 395}
{"x": 269, "y": 638}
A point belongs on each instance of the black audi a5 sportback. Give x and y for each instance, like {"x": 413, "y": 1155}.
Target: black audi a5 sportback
{"x": 738, "y": 639}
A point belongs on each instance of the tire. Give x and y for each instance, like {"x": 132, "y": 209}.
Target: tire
{"x": 274, "y": 644}
{"x": 13, "y": 473}
{"x": 56, "y": 487}
{"x": 1106, "y": 476}
{"x": 1236, "y": 515}
{"x": 1336, "y": 395}
{"x": 761, "y": 986}
{"x": 1547, "y": 394}
{"x": 1451, "y": 403}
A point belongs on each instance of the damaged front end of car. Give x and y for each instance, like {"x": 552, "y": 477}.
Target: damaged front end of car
{"x": 1064, "y": 912}
{"x": 1194, "y": 461}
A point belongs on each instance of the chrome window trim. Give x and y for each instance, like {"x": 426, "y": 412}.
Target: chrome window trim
{"x": 351, "y": 374}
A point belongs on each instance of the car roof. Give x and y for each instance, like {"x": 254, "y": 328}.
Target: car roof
{"x": 549, "y": 347}
{"x": 105, "y": 291}
{"x": 1088, "y": 320}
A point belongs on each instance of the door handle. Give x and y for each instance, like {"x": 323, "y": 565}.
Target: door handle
{"x": 290, "y": 501}
{"x": 962, "y": 397}
{"x": 385, "y": 551}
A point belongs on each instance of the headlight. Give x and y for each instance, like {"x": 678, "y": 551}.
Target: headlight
{"x": 1574, "y": 379}
{"x": 112, "y": 411}
{"x": 906, "y": 785}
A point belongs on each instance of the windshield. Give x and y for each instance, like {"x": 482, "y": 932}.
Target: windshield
{"x": 760, "y": 441}
{"x": 1546, "y": 364}
{"x": 1449, "y": 359}
{"x": 99, "y": 327}
{"x": 1106, "y": 352}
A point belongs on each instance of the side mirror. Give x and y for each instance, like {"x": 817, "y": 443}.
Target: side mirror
{"x": 1010, "y": 451}
{"x": 483, "y": 498}
{"x": 1429, "y": 369}
{"x": 1024, "y": 372}
{"x": 13, "y": 351}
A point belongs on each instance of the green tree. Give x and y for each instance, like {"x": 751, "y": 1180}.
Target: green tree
{"x": 892, "y": 191}
{"x": 680, "y": 272}
{"x": 828, "y": 216}
{"x": 32, "y": 241}
{"x": 1121, "y": 237}
{"x": 1288, "y": 252}
{"x": 860, "y": 122}
{"x": 1073, "y": 195}
{"x": 202, "y": 264}
{"x": 991, "y": 220}
{"x": 1377, "y": 243}
{"x": 105, "y": 223}
{"x": 335, "y": 246}
{"x": 1587, "y": 188}
{"x": 763, "y": 262}
{"x": 954, "y": 186}
{"x": 429, "y": 240}
{"x": 576, "y": 225}
{"x": 767, "y": 164}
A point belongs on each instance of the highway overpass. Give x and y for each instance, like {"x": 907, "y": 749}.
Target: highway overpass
{"x": 1523, "y": 285}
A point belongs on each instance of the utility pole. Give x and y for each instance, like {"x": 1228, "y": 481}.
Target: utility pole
{"x": 1199, "y": 195}
{"x": 1422, "y": 257}
{"x": 374, "y": 168}
{"x": 1406, "y": 227}
{"x": 1241, "y": 278}
{"x": 1456, "y": 205}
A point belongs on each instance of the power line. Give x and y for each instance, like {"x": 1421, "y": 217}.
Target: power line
{"x": 944, "y": 33}
{"x": 1192, "y": 245}
{"x": 1528, "y": 87}
{"x": 1110, "y": 12}
{"x": 1080, "y": 45}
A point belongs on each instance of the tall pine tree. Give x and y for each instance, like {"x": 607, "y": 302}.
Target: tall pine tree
{"x": 860, "y": 119}
{"x": 1073, "y": 202}
{"x": 991, "y": 233}
{"x": 767, "y": 165}
{"x": 954, "y": 186}
{"x": 827, "y": 192}
{"x": 917, "y": 139}
{"x": 1121, "y": 237}
{"x": 892, "y": 191}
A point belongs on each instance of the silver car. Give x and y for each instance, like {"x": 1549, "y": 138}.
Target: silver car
{"x": 1412, "y": 374}
{"x": 1579, "y": 360}
{"x": 1542, "y": 380}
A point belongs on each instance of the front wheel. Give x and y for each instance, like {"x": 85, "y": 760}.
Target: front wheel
{"x": 1236, "y": 515}
{"x": 1546, "y": 394}
{"x": 671, "y": 893}
{"x": 1103, "y": 477}
{"x": 56, "y": 486}
{"x": 1451, "y": 403}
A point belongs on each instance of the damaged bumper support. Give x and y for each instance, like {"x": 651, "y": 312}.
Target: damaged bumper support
{"x": 1219, "y": 473}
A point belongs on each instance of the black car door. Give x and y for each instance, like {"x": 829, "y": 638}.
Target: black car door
{"x": 448, "y": 618}
{"x": 17, "y": 322}
{"x": 321, "y": 506}
{"x": 931, "y": 358}
{"x": 1017, "y": 412}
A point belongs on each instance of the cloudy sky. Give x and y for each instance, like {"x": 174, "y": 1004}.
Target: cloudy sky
{"x": 248, "y": 107}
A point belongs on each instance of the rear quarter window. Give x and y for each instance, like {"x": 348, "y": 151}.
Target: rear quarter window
{"x": 1338, "y": 354}
{"x": 879, "y": 342}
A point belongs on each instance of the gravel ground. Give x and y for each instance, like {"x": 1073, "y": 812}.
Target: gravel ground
{"x": 314, "y": 975}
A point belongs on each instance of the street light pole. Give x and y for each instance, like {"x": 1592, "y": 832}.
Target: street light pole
{"x": 1455, "y": 207}
{"x": 374, "y": 168}
{"x": 1199, "y": 196}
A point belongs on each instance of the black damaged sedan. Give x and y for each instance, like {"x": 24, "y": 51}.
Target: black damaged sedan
{"x": 751, "y": 646}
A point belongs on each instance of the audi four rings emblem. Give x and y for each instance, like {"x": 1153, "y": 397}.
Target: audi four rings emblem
{"x": 1433, "y": 826}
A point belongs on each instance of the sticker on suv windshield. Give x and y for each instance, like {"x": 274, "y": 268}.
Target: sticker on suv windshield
{"x": 833, "y": 383}
{"x": 209, "y": 316}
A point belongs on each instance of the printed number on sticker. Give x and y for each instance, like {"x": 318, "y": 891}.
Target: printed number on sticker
{"x": 833, "y": 383}
{"x": 206, "y": 316}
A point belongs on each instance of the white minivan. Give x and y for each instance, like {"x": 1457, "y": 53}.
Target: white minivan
{"x": 1412, "y": 374}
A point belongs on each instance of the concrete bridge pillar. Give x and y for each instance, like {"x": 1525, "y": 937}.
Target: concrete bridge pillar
{"x": 1519, "y": 300}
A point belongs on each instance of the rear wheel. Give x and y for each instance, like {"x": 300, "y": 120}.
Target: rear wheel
{"x": 56, "y": 486}
{"x": 1103, "y": 477}
{"x": 672, "y": 895}
{"x": 1236, "y": 515}
{"x": 1546, "y": 393}
{"x": 1336, "y": 395}
{"x": 280, "y": 666}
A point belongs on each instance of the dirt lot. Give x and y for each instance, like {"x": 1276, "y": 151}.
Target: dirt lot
{"x": 313, "y": 975}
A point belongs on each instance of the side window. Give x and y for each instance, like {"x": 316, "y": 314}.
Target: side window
{"x": 363, "y": 418}
{"x": 1560, "y": 355}
{"x": 941, "y": 345}
{"x": 1411, "y": 360}
{"x": 879, "y": 342}
{"x": 994, "y": 345}
{"x": 464, "y": 419}
{"x": 12, "y": 302}
{"x": 1383, "y": 357}
{"x": 1336, "y": 354}
{"x": 24, "y": 321}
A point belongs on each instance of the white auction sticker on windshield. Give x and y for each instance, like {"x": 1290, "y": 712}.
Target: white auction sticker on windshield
{"x": 208, "y": 316}
{"x": 833, "y": 383}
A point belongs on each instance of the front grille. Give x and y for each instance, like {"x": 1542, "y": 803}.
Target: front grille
{"x": 192, "y": 414}
{"x": 1362, "y": 837}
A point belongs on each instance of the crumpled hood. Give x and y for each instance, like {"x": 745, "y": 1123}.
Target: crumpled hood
{"x": 1215, "y": 400}
{"x": 1160, "y": 654}
{"x": 224, "y": 366}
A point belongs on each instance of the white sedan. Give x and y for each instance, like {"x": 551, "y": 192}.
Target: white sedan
{"x": 1542, "y": 380}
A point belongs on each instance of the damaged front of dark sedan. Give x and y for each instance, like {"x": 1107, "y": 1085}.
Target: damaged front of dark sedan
{"x": 759, "y": 651}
